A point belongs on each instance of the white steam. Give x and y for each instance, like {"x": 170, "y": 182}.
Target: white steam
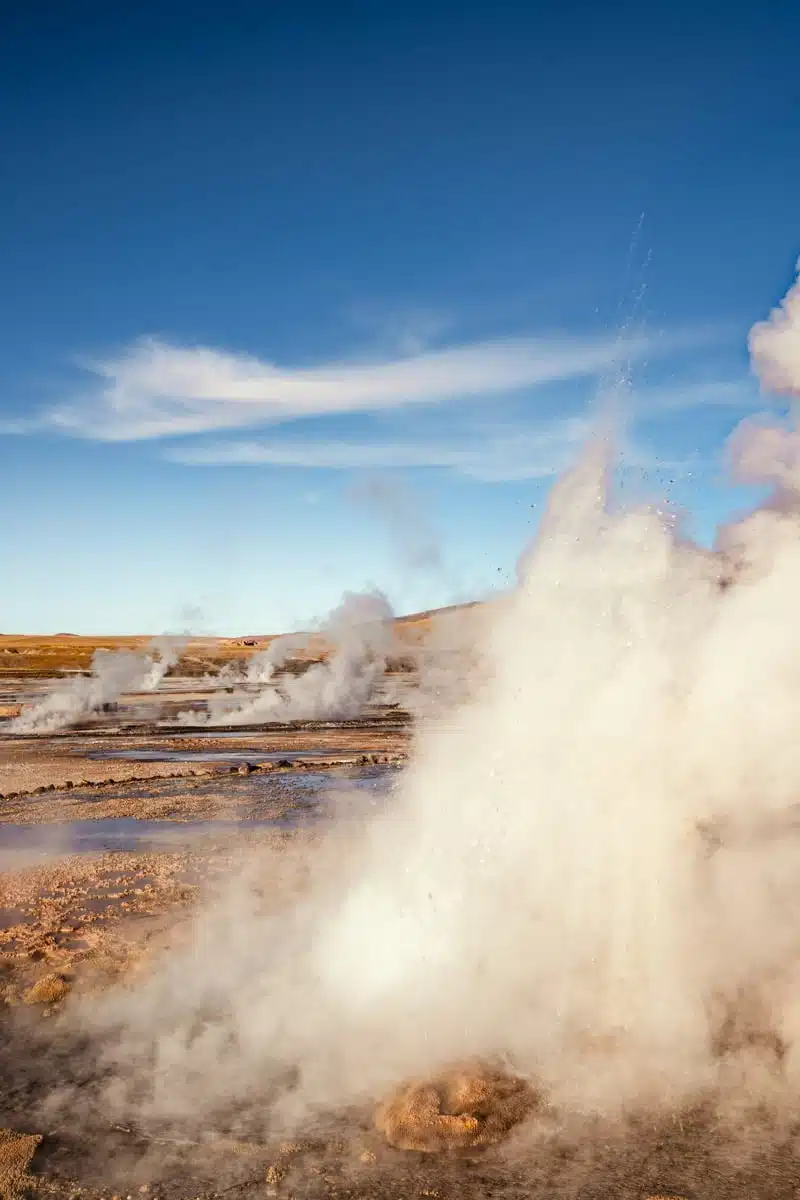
{"x": 361, "y": 635}
{"x": 539, "y": 886}
{"x": 775, "y": 345}
{"x": 444, "y": 660}
{"x": 114, "y": 673}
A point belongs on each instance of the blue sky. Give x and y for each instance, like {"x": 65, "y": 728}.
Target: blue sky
{"x": 300, "y": 298}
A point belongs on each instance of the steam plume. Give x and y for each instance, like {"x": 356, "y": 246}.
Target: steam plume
{"x": 775, "y": 345}
{"x": 583, "y": 868}
{"x": 113, "y": 673}
{"x": 360, "y": 630}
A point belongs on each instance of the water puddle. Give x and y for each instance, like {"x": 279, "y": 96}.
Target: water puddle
{"x": 11, "y": 917}
{"x": 215, "y": 733}
{"x": 60, "y": 838}
{"x": 254, "y": 788}
{"x": 23, "y": 845}
{"x": 247, "y": 754}
{"x": 374, "y": 779}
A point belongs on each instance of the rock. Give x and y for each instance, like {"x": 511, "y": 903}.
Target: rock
{"x": 465, "y": 1106}
{"x": 16, "y": 1152}
{"x": 48, "y": 990}
{"x": 290, "y": 1149}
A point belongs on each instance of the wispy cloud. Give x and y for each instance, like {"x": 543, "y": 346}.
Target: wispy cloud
{"x": 734, "y": 394}
{"x": 157, "y": 390}
{"x": 398, "y": 332}
{"x": 507, "y": 456}
{"x": 18, "y": 425}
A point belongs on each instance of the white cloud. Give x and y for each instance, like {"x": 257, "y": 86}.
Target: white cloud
{"x": 680, "y": 397}
{"x": 18, "y": 425}
{"x": 507, "y": 456}
{"x": 395, "y": 332}
{"x": 156, "y": 390}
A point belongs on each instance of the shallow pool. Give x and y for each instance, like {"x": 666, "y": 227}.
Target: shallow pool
{"x": 60, "y": 838}
{"x": 247, "y": 754}
{"x": 334, "y": 797}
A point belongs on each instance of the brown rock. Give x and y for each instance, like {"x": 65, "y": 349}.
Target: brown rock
{"x": 464, "y": 1106}
{"x": 48, "y": 990}
{"x": 16, "y": 1152}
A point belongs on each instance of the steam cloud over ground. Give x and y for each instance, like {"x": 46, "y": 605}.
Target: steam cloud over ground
{"x": 113, "y": 673}
{"x": 360, "y": 630}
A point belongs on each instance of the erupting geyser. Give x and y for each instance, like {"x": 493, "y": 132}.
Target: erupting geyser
{"x": 540, "y": 888}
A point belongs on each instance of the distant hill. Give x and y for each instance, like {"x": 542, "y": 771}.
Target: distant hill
{"x": 430, "y": 614}
{"x": 50, "y": 655}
